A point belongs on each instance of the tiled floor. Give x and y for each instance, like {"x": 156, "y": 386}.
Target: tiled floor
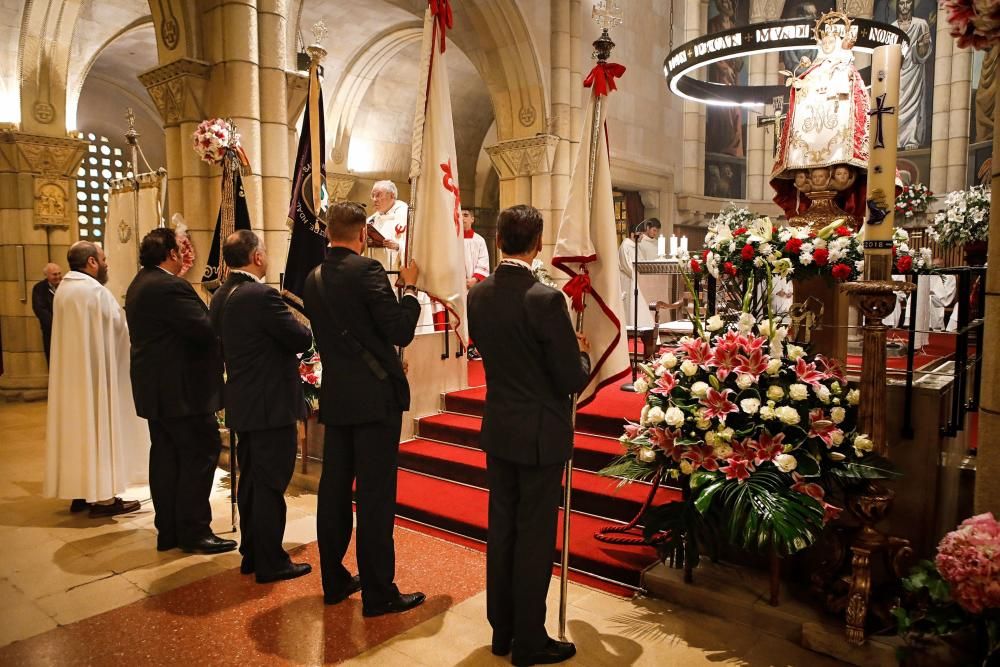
{"x": 79, "y": 591}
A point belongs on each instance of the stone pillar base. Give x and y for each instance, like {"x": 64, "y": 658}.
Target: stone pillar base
{"x": 24, "y": 388}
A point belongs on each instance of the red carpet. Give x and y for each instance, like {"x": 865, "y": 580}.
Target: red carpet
{"x": 442, "y": 482}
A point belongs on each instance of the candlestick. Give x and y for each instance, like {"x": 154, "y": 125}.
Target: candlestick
{"x": 661, "y": 246}
{"x": 883, "y": 130}
{"x": 684, "y": 244}
{"x": 673, "y": 245}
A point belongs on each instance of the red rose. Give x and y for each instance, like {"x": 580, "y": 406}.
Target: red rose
{"x": 741, "y": 230}
{"x": 821, "y": 256}
{"x": 894, "y": 253}
{"x": 793, "y": 246}
{"x": 904, "y": 264}
{"x": 729, "y": 268}
{"x": 704, "y": 254}
{"x": 747, "y": 253}
{"x": 841, "y": 271}
{"x": 843, "y": 230}
{"x": 695, "y": 266}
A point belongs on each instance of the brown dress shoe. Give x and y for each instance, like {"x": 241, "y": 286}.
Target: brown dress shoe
{"x": 119, "y": 506}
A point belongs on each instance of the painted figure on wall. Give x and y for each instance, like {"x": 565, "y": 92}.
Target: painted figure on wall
{"x": 724, "y": 133}
{"x": 913, "y": 88}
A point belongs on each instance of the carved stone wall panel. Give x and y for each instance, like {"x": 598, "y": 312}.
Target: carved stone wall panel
{"x": 339, "y": 186}
{"x": 177, "y": 89}
{"x": 54, "y": 205}
{"x": 524, "y": 157}
{"x": 49, "y": 156}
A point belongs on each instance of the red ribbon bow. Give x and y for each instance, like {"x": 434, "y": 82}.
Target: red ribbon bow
{"x": 441, "y": 10}
{"x": 577, "y": 289}
{"x": 603, "y": 76}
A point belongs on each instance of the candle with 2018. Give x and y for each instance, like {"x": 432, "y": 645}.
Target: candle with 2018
{"x": 883, "y": 130}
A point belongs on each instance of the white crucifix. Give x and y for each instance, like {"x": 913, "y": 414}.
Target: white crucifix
{"x": 607, "y": 14}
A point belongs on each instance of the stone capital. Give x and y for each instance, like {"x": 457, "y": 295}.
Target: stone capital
{"x": 42, "y": 155}
{"x": 339, "y": 186}
{"x": 296, "y": 89}
{"x": 524, "y": 157}
{"x": 177, "y": 89}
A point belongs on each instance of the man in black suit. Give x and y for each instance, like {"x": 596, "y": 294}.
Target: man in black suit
{"x": 534, "y": 362}
{"x": 177, "y": 386}
{"x": 42, "y": 296}
{"x": 263, "y": 400}
{"x": 357, "y": 320}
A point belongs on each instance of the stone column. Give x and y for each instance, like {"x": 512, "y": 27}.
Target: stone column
{"x": 693, "y": 161}
{"x": 988, "y": 455}
{"x": 562, "y": 108}
{"x": 941, "y": 119}
{"x": 958, "y": 118}
{"x": 272, "y": 27}
{"x": 525, "y": 169}
{"x": 758, "y": 138}
{"x": 37, "y": 225}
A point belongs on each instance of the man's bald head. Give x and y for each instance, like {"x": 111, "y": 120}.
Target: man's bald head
{"x": 244, "y": 250}
{"x": 87, "y": 257}
{"x": 53, "y": 274}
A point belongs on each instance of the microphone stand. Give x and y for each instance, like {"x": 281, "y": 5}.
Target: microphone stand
{"x": 630, "y": 386}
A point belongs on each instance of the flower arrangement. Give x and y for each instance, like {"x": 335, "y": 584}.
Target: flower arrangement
{"x": 213, "y": 138}
{"x": 913, "y": 199}
{"x": 906, "y": 259}
{"x": 311, "y": 374}
{"x": 959, "y": 592}
{"x": 974, "y": 23}
{"x": 965, "y": 218}
{"x": 758, "y": 248}
{"x": 757, "y": 429}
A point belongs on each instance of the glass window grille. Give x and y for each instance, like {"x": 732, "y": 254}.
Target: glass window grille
{"x": 101, "y": 163}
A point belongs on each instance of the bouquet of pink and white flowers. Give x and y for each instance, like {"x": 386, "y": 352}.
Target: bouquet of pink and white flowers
{"x": 311, "y": 374}
{"x": 213, "y": 138}
{"x": 913, "y": 199}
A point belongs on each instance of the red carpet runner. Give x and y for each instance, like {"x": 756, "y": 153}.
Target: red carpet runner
{"x": 442, "y": 481}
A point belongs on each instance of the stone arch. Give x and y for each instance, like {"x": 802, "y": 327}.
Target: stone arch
{"x": 177, "y": 29}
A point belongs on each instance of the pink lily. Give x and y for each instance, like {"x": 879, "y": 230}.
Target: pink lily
{"x": 754, "y": 364}
{"x": 664, "y": 384}
{"x": 806, "y": 372}
{"x": 701, "y": 456}
{"x": 717, "y": 404}
{"x": 768, "y": 447}
{"x": 698, "y": 351}
{"x": 820, "y": 427}
{"x": 738, "y": 469}
{"x": 725, "y": 360}
{"x": 664, "y": 440}
{"x": 810, "y": 489}
{"x": 832, "y": 368}
{"x": 632, "y": 430}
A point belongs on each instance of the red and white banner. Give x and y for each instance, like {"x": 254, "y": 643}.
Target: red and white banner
{"x": 587, "y": 245}
{"x": 436, "y": 239}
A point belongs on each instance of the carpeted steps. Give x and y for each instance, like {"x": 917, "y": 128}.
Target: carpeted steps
{"x": 442, "y": 481}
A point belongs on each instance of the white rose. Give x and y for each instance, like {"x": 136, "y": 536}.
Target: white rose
{"x": 798, "y": 392}
{"x": 722, "y": 450}
{"x": 785, "y": 462}
{"x": 863, "y": 443}
{"x": 711, "y": 438}
{"x": 750, "y": 405}
{"x": 836, "y": 388}
{"x": 773, "y": 366}
{"x": 703, "y": 424}
{"x": 689, "y": 368}
{"x": 838, "y": 415}
{"x": 660, "y": 371}
{"x": 822, "y": 393}
{"x": 727, "y": 434}
{"x": 853, "y": 397}
{"x": 795, "y": 352}
{"x": 674, "y": 416}
{"x": 788, "y": 414}
{"x": 668, "y": 360}
{"x": 699, "y": 389}
{"x": 686, "y": 467}
{"x": 715, "y": 323}
{"x": 775, "y": 393}
{"x": 644, "y": 415}
{"x": 837, "y": 437}
{"x": 641, "y": 386}
{"x": 767, "y": 413}
{"x": 655, "y": 416}
{"x": 744, "y": 381}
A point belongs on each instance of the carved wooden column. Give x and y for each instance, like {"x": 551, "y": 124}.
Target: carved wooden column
{"x": 37, "y": 226}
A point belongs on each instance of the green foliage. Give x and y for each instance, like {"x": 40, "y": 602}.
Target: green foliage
{"x": 629, "y": 469}
{"x": 871, "y": 467}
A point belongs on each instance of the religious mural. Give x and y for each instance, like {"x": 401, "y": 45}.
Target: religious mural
{"x": 984, "y": 86}
{"x": 725, "y": 131}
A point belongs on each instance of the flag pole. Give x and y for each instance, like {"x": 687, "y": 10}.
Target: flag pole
{"x": 602, "y": 50}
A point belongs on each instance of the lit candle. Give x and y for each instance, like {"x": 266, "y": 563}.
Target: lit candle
{"x": 673, "y": 245}
{"x": 661, "y": 246}
{"x": 883, "y": 129}
{"x": 684, "y": 244}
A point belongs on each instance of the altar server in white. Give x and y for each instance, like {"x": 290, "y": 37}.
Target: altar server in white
{"x": 942, "y": 294}
{"x": 477, "y": 256}
{"x": 626, "y": 260}
{"x": 96, "y": 446}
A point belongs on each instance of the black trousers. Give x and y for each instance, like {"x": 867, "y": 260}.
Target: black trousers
{"x": 520, "y": 543}
{"x": 183, "y": 455}
{"x": 266, "y": 462}
{"x": 367, "y": 453}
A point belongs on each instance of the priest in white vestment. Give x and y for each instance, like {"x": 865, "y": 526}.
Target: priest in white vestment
{"x": 626, "y": 273}
{"x": 942, "y": 295}
{"x": 96, "y": 445}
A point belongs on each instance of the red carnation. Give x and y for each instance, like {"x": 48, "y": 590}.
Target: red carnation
{"x": 729, "y": 268}
{"x": 843, "y": 230}
{"x": 695, "y": 266}
{"x": 821, "y": 256}
{"x": 747, "y": 253}
{"x": 741, "y": 230}
{"x": 793, "y": 246}
{"x": 841, "y": 271}
{"x": 904, "y": 264}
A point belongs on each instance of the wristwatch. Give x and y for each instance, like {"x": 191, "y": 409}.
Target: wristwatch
{"x": 410, "y": 289}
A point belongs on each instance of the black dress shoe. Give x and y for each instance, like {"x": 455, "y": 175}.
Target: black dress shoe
{"x": 293, "y": 571}
{"x": 353, "y": 586}
{"x": 165, "y": 544}
{"x": 501, "y": 644}
{"x": 116, "y": 507}
{"x": 402, "y": 602}
{"x": 212, "y": 544}
{"x": 246, "y": 566}
{"x": 79, "y": 505}
{"x": 553, "y": 652}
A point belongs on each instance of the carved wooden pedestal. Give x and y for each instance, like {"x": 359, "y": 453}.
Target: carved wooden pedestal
{"x": 830, "y": 309}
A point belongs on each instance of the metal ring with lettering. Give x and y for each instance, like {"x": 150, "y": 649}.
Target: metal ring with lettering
{"x": 757, "y": 38}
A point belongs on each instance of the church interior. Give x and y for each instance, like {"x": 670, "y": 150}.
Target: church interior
{"x": 820, "y": 175}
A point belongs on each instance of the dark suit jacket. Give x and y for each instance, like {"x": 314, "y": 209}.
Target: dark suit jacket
{"x": 533, "y": 364}
{"x": 41, "y": 303}
{"x": 176, "y": 363}
{"x": 260, "y": 339}
{"x": 359, "y": 299}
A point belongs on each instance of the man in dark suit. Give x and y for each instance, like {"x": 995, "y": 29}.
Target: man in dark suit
{"x": 42, "y": 296}
{"x": 263, "y": 401}
{"x": 357, "y": 320}
{"x": 177, "y": 386}
{"x": 534, "y": 362}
